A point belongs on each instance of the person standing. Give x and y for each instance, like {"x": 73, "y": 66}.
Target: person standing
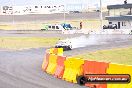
{"x": 80, "y": 25}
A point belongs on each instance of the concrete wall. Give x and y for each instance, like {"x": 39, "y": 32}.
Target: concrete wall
{"x": 118, "y": 12}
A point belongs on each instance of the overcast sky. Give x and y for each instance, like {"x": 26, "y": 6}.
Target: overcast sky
{"x": 45, "y": 2}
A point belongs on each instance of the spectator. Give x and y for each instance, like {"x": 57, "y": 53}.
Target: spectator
{"x": 80, "y": 25}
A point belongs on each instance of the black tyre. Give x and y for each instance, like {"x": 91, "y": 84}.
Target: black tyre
{"x": 56, "y": 47}
{"x": 104, "y": 27}
{"x": 65, "y": 49}
{"x": 81, "y": 80}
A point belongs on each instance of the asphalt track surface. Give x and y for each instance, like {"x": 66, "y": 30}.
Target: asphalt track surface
{"x": 50, "y": 17}
{"x": 22, "y": 69}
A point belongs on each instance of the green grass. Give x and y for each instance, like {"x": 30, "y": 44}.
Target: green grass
{"x": 19, "y": 43}
{"x": 120, "y": 56}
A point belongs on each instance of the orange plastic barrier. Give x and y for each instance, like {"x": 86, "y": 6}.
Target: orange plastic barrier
{"x": 51, "y": 50}
{"x": 120, "y": 69}
{"x": 52, "y": 64}
{"x": 60, "y": 52}
{"x": 60, "y": 66}
{"x": 73, "y": 68}
{"x": 45, "y": 62}
{"x": 93, "y": 67}
{"x": 55, "y": 51}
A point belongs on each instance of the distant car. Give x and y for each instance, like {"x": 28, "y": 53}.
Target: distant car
{"x": 52, "y": 27}
{"x": 105, "y": 27}
{"x": 62, "y": 26}
{"x": 110, "y": 26}
{"x": 75, "y": 12}
{"x": 65, "y": 44}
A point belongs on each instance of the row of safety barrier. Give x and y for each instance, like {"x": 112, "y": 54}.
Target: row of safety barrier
{"x": 69, "y": 68}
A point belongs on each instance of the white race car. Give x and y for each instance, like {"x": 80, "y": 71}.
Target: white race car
{"x": 65, "y": 44}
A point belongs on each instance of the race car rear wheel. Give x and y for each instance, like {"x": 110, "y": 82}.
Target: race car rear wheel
{"x": 70, "y": 47}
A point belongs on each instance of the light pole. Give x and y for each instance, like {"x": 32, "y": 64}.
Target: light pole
{"x": 101, "y": 16}
{"x": 64, "y": 11}
{"x": 13, "y": 11}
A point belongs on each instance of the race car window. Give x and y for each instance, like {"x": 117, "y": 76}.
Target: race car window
{"x": 53, "y": 27}
{"x": 57, "y": 27}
